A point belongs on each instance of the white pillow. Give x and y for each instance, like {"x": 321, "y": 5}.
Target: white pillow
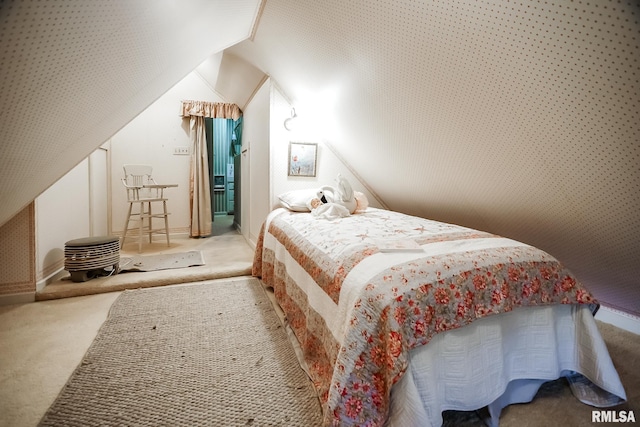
{"x": 297, "y": 200}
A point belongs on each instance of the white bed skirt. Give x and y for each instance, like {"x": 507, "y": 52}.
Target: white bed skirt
{"x": 504, "y": 359}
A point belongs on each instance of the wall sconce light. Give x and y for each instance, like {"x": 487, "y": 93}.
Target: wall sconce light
{"x": 289, "y": 122}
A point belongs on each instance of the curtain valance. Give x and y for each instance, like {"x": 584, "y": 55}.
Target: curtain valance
{"x": 215, "y": 110}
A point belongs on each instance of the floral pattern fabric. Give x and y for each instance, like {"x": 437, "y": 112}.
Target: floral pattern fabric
{"x": 356, "y": 342}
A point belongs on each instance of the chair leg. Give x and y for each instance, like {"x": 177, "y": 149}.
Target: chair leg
{"x": 140, "y": 227}
{"x": 150, "y": 222}
{"x": 166, "y": 221}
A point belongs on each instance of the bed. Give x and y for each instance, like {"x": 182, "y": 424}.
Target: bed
{"x": 400, "y": 318}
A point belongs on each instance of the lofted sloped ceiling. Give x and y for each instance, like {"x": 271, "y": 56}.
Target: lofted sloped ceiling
{"x": 73, "y": 72}
{"x": 520, "y": 117}
{"x": 233, "y": 78}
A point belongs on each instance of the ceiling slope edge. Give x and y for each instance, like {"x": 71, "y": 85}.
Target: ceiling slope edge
{"x": 87, "y": 69}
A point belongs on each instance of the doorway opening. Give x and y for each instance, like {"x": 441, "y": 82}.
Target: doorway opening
{"x": 223, "y": 178}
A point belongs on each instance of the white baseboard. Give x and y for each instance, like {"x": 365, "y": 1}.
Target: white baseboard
{"x": 58, "y": 274}
{"x": 17, "y": 298}
{"x": 620, "y": 319}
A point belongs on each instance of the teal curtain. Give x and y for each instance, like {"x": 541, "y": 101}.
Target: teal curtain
{"x": 222, "y": 137}
{"x": 236, "y": 138}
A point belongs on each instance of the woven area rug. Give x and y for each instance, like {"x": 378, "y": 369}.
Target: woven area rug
{"x": 162, "y": 261}
{"x": 212, "y": 354}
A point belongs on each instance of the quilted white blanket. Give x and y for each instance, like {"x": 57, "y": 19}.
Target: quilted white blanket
{"x": 363, "y": 311}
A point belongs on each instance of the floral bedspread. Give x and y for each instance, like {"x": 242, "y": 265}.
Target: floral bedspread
{"x": 357, "y": 309}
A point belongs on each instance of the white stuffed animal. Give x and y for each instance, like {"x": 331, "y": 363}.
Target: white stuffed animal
{"x": 343, "y": 195}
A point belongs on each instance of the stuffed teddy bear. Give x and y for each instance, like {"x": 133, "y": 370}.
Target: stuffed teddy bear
{"x": 343, "y": 195}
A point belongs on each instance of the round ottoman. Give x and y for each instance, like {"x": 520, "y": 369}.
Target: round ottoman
{"x": 88, "y": 257}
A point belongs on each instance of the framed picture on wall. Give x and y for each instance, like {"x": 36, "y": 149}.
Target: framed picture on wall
{"x": 303, "y": 157}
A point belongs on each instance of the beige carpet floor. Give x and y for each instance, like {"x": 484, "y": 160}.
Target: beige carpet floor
{"x": 226, "y": 254}
{"x": 41, "y": 345}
